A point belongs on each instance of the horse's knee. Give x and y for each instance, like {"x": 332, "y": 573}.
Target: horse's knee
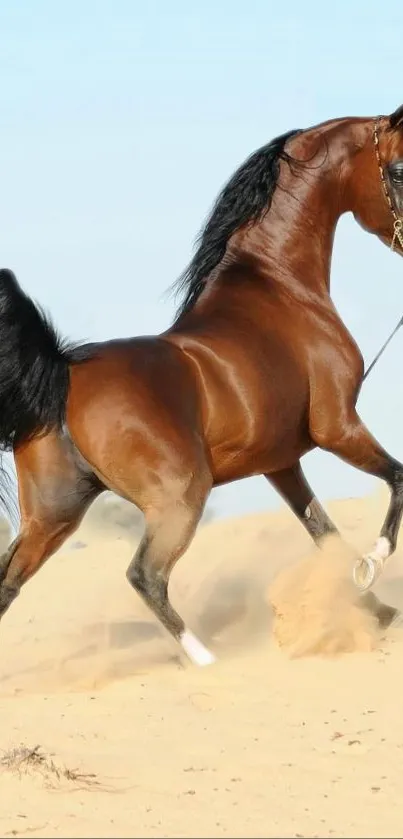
{"x": 395, "y": 481}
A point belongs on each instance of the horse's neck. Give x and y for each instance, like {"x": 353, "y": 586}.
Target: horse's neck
{"x": 295, "y": 240}
{"x": 291, "y": 247}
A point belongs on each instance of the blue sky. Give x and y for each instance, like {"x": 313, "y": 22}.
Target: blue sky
{"x": 120, "y": 121}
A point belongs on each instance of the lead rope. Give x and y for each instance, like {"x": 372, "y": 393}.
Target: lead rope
{"x": 378, "y": 355}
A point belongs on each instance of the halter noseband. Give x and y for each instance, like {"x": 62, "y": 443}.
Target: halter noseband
{"x": 397, "y": 222}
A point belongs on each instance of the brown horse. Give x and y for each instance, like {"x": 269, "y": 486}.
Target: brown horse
{"x": 257, "y": 370}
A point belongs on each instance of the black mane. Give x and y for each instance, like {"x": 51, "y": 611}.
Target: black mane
{"x": 396, "y": 119}
{"x": 246, "y": 198}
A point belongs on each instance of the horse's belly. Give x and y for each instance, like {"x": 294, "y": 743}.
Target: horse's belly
{"x": 280, "y": 439}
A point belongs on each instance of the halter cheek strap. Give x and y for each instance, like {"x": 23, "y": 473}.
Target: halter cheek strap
{"x": 397, "y": 235}
{"x": 397, "y": 222}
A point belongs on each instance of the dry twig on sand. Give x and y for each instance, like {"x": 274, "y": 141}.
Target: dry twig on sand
{"x": 24, "y": 760}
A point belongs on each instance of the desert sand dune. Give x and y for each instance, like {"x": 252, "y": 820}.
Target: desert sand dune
{"x": 106, "y": 731}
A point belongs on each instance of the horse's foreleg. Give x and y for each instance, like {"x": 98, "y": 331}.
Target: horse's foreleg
{"x": 296, "y": 492}
{"x": 345, "y": 435}
{"x": 292, "y": 485}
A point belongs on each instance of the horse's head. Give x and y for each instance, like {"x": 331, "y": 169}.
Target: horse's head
{"x": 376, "y": 182}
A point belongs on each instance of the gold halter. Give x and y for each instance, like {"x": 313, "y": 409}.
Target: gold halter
{"x": 397, "y": 222}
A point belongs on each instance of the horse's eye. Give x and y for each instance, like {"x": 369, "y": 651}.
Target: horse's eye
{"x": 396, "y": 172}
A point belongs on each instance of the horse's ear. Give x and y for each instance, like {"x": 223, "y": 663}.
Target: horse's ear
{"x": 396, "y": 119}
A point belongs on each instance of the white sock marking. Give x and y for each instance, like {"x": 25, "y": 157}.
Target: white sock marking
{"x": 382, "y": 548}
{"x": 194, "y": 648}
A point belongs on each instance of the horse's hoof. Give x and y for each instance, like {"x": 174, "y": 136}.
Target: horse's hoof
{"x": 366, "y": 571}
{"x": 387, "y": 616}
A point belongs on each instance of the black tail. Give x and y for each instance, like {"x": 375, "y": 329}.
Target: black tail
{"x": 34, "y": 368}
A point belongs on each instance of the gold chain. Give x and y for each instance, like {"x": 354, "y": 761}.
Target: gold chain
{"x": 397, "y": 222}
{"x": 397, "y": 233}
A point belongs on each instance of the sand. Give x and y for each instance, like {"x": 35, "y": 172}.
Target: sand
{"x": 297, "y": 731}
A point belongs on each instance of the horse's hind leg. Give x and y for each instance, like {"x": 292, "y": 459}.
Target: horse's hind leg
{"x": 55, "y": 490}
{"x": 33, "y": 546}
{"x": 169, "y": 530}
